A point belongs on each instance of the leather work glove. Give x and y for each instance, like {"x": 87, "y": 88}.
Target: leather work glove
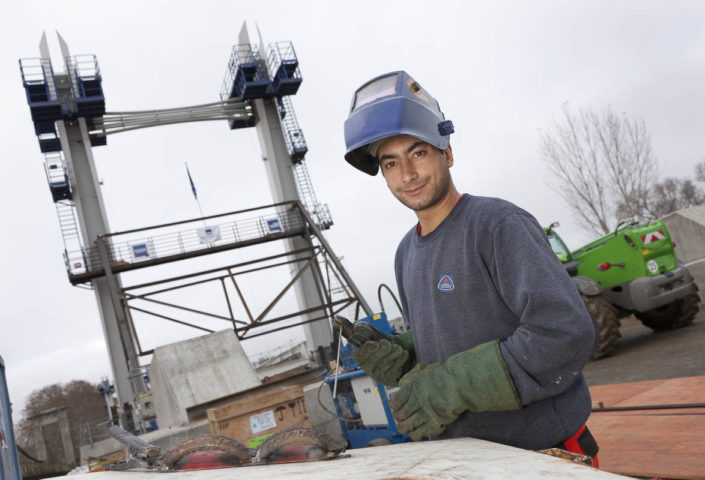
{"x": 386, "y": 360}
{"x": 432, "y": 396}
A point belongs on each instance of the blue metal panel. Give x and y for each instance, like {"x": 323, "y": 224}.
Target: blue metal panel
{"x": 40, "y": 88}
{"x": 9, "y": 461}
{"x": 44, "y": 126}
{"x": 246, "y": 77}
{"x": 86, "y": 84}
{"x": 250, "y": 122}
{"x": 98, "y": 140}
{"x": 49, "y": 144}
{"x": 284, "y": 66}
{"x": 60, "y": 190}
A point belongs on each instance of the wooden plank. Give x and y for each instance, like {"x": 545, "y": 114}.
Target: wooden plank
{"x": 669, "y": 446}
{"x": 651, "y": 443}
{"x": 651, "y": 392}
{"x": 615, "y": 394}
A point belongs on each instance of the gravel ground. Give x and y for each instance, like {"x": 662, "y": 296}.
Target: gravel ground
{"x": 642, "y": 354}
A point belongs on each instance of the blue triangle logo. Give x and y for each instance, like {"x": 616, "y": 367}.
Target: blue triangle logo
{"x": 445, "y": 284}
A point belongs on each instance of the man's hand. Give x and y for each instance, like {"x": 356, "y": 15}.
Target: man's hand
{"x": 432, "y": 396}
{"x": 419, "y": 407}
{"x": 384, "y": 361}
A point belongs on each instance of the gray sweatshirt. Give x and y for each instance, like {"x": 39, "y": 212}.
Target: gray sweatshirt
{"x": 488, "y": 272}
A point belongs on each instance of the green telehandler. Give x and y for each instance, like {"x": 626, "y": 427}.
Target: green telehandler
{"x": 632, "y": 270}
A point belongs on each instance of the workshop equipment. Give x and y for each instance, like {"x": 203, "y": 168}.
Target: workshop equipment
{"x": 362, "y": 405}
{"x": 219, "y": 451}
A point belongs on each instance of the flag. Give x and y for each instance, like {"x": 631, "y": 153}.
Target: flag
{"x": 193, "y": 187}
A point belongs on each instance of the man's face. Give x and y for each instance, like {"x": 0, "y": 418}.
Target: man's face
{"x": 416, "y": 173}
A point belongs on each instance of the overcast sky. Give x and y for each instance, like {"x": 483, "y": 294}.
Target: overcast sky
{"x": 501, "y": 71}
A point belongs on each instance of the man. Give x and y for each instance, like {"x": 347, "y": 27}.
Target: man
{"x": 498, "y": 333}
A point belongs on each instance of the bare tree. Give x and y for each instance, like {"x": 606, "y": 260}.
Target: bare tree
{"x": 85, "y": 405}
{"x": 700, "y": 171}
{"x": 674, "y": 194}
{"x": 602, "y": 165}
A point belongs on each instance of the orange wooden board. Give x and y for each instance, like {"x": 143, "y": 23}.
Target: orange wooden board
{"x": 651, "y": 443}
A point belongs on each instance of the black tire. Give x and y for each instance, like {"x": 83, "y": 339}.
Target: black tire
{"x": 606, "y": 323}
{"x": 677, "y": 314}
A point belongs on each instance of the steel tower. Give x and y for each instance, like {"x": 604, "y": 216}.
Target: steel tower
{"x": 68, "y": 112}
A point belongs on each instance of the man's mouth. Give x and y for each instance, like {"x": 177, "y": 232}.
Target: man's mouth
{"x": 414, "y": 191}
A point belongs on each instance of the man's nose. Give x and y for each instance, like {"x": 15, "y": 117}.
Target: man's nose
{"x": 408, "y": 172}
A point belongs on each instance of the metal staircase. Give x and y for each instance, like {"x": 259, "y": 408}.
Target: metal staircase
{"x": 319, "y": 212}
{"x": 293, "y": 135}
{"x": 57, "y": 176}
{"x": 73, "y": 246}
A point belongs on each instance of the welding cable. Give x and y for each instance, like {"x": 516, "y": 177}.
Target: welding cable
{"x": 379, "y": 297}
{"x": 318, "y": 397}
{"x": 650, "y": 407}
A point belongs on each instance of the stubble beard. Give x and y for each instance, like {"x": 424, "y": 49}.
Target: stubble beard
{"x": 436, "y": 195}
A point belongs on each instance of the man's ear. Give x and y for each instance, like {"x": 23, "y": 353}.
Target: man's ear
{"x": 448, "y": 153}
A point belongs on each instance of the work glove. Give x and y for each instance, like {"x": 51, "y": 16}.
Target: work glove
{"x": 387, "y": 359}
{"x": 432, "y": 396}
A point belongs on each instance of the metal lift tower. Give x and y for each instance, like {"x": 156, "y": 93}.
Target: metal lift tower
{"x": 60, "y": 103}
{"x": 282, "y": 144}
{"x": 68, "y": 112}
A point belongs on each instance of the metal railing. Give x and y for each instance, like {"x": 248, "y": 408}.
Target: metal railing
{"x": 81, "y": 67}
{"x": 243, "y": 54}
{"x": 91, "y": 433}
{"x": 188, "y": 237}
{"x": 37, "y": 71}
{"x": 55, "y": 168}
{"x": 283, "y": 55}
{"x": 293, "y": 135}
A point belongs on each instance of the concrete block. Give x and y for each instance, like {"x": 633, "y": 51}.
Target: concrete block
{"x": 171, "y": 437}
{"x": 321, "y": 420}
{"x": 99, "y": 449}
{"x": 195, "y": 371}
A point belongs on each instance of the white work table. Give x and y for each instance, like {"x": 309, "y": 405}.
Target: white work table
{"x": 465, "y": 458}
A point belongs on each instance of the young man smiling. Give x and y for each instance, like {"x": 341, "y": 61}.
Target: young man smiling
{"x": 498, "y": 333}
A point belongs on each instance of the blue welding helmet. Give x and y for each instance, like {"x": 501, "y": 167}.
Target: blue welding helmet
{"x": 388, "y": 105}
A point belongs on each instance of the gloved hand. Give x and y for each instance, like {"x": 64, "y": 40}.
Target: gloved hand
{"x": 386, "y": 360}
{"x": 432, "y": 396}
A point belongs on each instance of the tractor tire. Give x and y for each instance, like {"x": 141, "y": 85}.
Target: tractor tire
{"x": 677, "y": 314}
{"x": 606, "y": 323}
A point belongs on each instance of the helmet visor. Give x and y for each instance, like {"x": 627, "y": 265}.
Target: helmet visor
{"x": 381, "y": 87}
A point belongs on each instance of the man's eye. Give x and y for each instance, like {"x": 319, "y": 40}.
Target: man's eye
{"x": 419, "y": 153}
{"x": 389, "y": 165}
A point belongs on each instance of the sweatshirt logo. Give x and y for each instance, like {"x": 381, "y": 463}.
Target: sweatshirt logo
{"x": 445, "y": 284}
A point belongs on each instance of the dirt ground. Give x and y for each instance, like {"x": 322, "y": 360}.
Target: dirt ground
{"x": 642, "y": 354}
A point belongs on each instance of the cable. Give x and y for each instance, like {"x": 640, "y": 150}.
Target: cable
{"x": 650, "y": 407}
{"x": 335, "y": 414}
{"x": 394, "y": 297}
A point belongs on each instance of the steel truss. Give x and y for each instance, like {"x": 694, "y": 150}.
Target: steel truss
{"x": 116, "y": 122}
{"x": 335, "y": 289}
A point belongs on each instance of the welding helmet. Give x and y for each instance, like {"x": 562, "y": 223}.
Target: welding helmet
{"x": 388, "y": 105}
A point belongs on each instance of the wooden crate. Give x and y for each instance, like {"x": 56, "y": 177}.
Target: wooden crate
{"x": 253, "y": 419}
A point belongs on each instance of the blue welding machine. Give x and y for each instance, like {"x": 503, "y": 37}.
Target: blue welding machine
{"x": 361, "y": 403}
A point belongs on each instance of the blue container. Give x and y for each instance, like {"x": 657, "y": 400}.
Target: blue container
{"x": 9, "y": 461}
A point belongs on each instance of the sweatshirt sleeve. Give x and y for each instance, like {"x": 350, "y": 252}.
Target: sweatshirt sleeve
{"x": 548, "y": 350}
